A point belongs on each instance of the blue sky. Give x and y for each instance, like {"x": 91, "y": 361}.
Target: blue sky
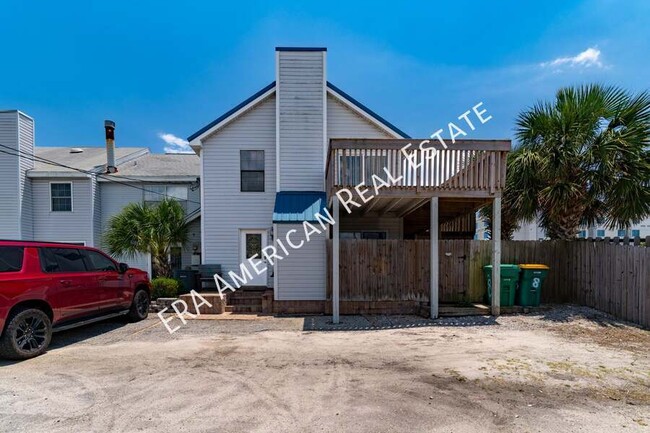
{"x": 158, "y": 67}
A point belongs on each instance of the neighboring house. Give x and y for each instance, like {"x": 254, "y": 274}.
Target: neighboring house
{"x": 273, "y": 161}
{"x": 62, "y": 194}
{"x": 532, "y": 231}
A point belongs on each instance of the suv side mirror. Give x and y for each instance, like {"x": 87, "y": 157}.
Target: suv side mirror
{"x": 122, "y": 268}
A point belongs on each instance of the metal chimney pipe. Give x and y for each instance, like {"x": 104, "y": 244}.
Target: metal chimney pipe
{"x": 109, "y": 126}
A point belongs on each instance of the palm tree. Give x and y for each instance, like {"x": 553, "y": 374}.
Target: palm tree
{"x": 582, "y": 159}
{"x": 146, "y": 229}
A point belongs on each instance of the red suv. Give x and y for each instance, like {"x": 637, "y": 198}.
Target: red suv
{"x": 46, "y": 287}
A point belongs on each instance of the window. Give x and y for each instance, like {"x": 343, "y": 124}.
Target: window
{"x": 11, "y": 259}
{"x": 622, "y": 233}
{"x": 363, "y": 235}
{"x": 155, "y": 193}
{"x": 600, "y": 233}
{"x": 582, "y": 234}
{"x": 253, "y": 245}
{"x": 252, "y": 170}
{"x": 61, "y": 197}
{"x": 636, "y": 233}
{"x": 61, "y": 260}
{"x": 98, "y": 262}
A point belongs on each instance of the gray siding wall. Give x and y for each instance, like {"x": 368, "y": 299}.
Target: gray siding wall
{"x": 75, "y": 226}
{"x": 226, "y": 210}
{"x": 9, "y": 179}
{"x": 301, "y": 274}
{"x": 113, "y": 199}
{"x": 97, "y": 213}
{"x": 392, "y": 226}
{"x": 300, "y": 89}
{"x": 194, "y": 239}
{"x": 26, "y": 145}
{"x": 343, "y": 122}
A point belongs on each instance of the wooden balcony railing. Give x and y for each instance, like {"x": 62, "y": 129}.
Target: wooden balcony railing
{"x": 467, "y": 167}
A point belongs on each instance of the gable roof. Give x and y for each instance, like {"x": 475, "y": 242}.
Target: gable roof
{"x": 232, "y": 111}
{"x": 266, "y": 91}
{"x": 347, "y": 98}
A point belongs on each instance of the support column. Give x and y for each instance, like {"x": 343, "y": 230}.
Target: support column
{"x": 496, "y": 257}
{"x": 335, "y": 260}
{"x": 434, "y": 285}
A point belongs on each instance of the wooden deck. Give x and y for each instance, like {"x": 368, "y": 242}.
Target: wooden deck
{"x": 466, "y": 175}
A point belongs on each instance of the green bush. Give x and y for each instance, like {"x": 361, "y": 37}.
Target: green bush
{"x": 162, "y": 287}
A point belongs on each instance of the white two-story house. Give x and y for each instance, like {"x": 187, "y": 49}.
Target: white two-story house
{"x": 272, "y": 163}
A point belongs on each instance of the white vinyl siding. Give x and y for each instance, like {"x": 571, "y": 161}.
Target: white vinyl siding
{"x": 9, "y": 180}
{"x": 17, "y": 133}
{"x": 26, "y": 146}
{"x": 301, "y": 274}
{"x": 300, "y": 93}
{"x": 226, "y": 210}
{"x": 344, "y": 122}
{"x": 75, "y": 226}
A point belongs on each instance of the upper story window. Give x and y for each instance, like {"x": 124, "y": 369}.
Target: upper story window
{"x": 61, "y": 197}
{"x": 252, "y": 170}
{"x": 156, "y": 193}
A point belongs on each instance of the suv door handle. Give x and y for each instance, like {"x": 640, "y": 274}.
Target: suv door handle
{"x": 65, "y": 282}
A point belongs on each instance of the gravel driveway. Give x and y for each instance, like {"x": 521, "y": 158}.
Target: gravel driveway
{"x": 569, "y": 369}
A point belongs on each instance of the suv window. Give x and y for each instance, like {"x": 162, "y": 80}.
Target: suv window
{"x": 61, "y": 260}
{"x": 98, "y": 262}
{"x": 11, "y": 259}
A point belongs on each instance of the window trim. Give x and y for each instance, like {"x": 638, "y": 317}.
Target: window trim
{"x": 71, "y": 196}
{"x": 242, "y": 171}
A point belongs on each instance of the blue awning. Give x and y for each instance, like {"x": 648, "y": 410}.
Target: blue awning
{"x": 298, "y": 206}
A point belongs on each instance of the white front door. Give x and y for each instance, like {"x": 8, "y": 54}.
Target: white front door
{"x": 251, "y": 244}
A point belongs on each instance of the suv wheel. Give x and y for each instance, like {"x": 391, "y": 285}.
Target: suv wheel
{"x": 139, "y": 306}
{"x": 28, "y": 333}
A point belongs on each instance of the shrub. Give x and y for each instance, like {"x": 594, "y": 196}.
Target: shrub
{"x": 162, "y": 287}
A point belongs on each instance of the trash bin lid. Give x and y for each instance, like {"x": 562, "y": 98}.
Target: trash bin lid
{"x": 533, "y": 266}
{"x": 505, "y": 267}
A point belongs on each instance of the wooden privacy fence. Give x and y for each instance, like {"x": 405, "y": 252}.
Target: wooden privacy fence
{"x": 610, "y": 277}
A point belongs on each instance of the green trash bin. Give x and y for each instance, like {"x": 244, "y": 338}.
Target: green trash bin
{"x": 530, "y": 285}
{"x": 509, "y": 281}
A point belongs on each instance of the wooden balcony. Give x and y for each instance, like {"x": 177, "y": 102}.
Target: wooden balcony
{"x": 467, "y": 168}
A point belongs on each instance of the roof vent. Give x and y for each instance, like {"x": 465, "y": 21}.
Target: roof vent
{"x": 76, "y": 150}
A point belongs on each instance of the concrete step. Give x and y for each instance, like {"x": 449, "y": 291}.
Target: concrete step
{"x": 251, "y": 301}
{"x": 246, "y": 308}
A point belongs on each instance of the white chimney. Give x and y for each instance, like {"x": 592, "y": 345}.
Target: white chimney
{"x": 301, "y": 89}
{"x": 109, "y": 126}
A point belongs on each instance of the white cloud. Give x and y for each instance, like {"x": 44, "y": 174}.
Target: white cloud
{"x": 588, "y": 58}
{"x": 175, "y": 144}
